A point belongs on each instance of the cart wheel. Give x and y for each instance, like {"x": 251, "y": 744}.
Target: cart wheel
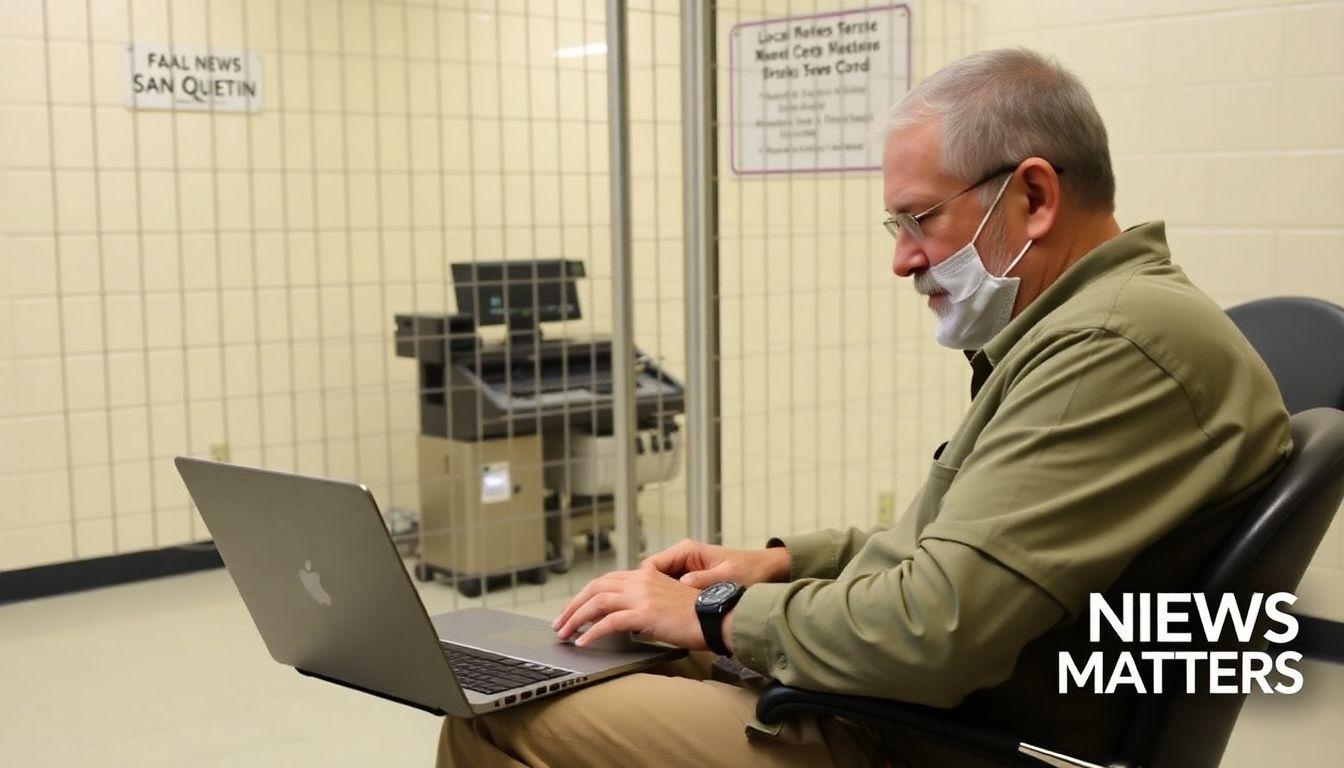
{"x": 536, "y": 575}
{"x": 602, "y": 542}
{"x": 423, "y": 572}
{"x": 599, "y": 542}
{"x": 560, "y": 561}
{"x": 469, "y": 587}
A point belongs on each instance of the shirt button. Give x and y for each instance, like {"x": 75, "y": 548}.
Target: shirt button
{"x": 783, "y": 662}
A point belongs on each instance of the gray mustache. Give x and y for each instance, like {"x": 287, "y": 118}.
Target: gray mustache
{"x": 926, "y": 285}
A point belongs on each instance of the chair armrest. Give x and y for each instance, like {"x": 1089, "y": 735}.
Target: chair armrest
{"x": 781, "y": 701}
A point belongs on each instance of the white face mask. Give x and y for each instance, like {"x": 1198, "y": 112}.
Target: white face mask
{"x": 977, "y": 305}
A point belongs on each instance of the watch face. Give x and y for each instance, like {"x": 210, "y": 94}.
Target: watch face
{"x": 716, "y": 593}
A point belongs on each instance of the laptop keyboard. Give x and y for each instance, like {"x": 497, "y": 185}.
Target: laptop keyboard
{"x": 485, "y": 672}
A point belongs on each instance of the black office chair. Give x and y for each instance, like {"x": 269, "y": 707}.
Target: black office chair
{"x": 1302, "y": 342}
{"x": 1268, "y": 552}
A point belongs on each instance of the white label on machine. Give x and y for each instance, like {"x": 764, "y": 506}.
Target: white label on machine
{"x": 495, "y": 483}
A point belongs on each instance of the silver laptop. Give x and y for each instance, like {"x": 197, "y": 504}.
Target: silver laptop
{"x": 328, "y": 592}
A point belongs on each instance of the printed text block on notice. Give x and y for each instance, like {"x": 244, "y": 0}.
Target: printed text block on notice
{"x": 804, "y": 90}
{"x": 191, "y": 78}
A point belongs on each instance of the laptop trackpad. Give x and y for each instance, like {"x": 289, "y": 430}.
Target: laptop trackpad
{"x": 538, "y": 637}
{"x": 529, "y": 638}
{"x": 526, "y": 637}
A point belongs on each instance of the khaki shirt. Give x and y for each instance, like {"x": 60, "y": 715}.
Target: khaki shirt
{"x": 1120, "y": 413}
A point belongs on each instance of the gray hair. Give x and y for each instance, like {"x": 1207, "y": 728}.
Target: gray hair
{"x": 999, "y": 107}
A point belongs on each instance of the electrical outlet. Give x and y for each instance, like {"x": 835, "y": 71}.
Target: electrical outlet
{"x": 219, "y": 451}
{"x": 886, "y": 507}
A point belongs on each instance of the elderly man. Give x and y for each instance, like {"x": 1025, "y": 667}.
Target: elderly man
{"x": 1117, "y": 421}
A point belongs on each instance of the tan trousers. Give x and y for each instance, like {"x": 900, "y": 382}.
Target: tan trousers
{"x": 673, "y": 716}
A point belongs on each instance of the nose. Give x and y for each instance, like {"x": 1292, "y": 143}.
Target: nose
{"x": 908, "y": 257}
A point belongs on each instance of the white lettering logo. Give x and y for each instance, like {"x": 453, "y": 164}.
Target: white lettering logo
{"x": 1166, "y": 618}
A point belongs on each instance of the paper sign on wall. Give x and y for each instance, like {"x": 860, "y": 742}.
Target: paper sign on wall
{"x": 200, "y": 79}
{"x": 804, "y": 90}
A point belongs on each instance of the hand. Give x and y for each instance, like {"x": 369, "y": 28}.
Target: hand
{"x": 698, "y": 564}
{"x": 643, "y": 601}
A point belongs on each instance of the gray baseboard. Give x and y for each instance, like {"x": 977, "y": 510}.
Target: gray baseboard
{"x": 95, "y": 572}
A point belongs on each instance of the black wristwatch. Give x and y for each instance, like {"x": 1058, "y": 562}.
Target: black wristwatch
{"x": 711, "y": 605}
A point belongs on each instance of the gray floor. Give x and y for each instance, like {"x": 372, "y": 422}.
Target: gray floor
{"x": 172, "y": 673}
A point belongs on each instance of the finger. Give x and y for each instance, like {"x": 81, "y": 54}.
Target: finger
{"x": 593, "y": 612}
{"x": 670, "y": 560}
{"x": 619, "y": 621}
{"x": 601, "y": 583}
{"x": 577, "y": 600}
{"x": 567, "y": 622}
{"x": 702, "y": 579}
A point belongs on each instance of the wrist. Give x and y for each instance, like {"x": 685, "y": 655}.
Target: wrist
{"x": 780, "y": 564}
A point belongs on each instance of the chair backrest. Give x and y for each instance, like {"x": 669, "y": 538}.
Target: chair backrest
{"x": 1302, "y": 342}
{"x": 1267, "y": 552}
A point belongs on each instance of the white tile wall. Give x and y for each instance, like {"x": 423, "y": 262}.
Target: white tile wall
{"x": 94, "y": 538}
{"x": 41, "y": 443}
{"x": 89, "y": 446}
{"x": 91, "y": 492}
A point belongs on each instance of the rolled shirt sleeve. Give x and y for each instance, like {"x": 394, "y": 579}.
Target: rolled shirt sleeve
{"x": 821, "y": 554}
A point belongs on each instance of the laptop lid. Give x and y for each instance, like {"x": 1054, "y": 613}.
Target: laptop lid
{"x": 327, "y": 591}
{"x": 323, "y": 581}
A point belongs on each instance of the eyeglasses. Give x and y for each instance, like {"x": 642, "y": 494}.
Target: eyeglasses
{"x": 909, "y": 222}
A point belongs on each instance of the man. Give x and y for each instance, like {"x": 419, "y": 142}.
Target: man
{"x": 1118, "y": 420}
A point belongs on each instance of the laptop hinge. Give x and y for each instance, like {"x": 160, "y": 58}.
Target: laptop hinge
{"x": 371, "y": 692}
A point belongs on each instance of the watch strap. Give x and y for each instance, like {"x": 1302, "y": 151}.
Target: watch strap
{"x": 711, "y": 619}
{"x": 711, "y": 626}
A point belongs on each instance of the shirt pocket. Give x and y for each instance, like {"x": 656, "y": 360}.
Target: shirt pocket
{"x": 940, "y": 479}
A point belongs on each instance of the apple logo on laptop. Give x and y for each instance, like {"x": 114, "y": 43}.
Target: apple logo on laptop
{"x": 312, "y": 581}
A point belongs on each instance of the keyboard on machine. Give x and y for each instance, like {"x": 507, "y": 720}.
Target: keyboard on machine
{"x": 527, "y": 386}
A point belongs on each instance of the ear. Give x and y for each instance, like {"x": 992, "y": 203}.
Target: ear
{"x": 1043, "y": 196}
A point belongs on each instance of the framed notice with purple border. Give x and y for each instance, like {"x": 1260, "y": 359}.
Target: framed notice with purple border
{"x": 804, "y": 90}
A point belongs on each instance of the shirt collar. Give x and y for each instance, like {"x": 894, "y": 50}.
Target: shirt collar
{"x": 1145, "y": 241}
